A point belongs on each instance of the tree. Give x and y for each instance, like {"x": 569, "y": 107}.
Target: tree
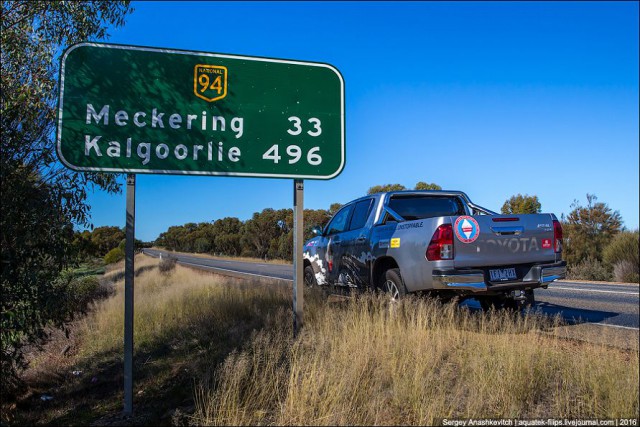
{"x": 520, "y": 204}
{"x": 589, "y": 229}
{"x": 41, "y": 200}
{"x": 261, "y": 230}
{"x": 384, "y": 188}
{"x": 424, "y": 186}
{"x": 83, "y": 246}
{"x": 316, "y": 218}
{"x": 227, "y": 235}
{"x": 335, "y": 207}
{"x": 106, "y": 238}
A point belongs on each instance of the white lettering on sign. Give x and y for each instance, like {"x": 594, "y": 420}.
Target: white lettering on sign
{"x": 174, "y": 120}
{"x": 121, "y": 118}
{"x": 91, "y": 113}
{"x": 156, "y": 119}
{"x": 295, "y": 153}
{"x": 296, "y": 122}
{"x": 162, "y": 151}
{"x": 91, "y": 143}
{"x": 145, "y": 150}
{"x": 138, "y": 122}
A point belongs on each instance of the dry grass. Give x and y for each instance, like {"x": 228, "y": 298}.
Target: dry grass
{"x": 366, "y": 363}
{"x": 171, "y": 307}
{"x": 228, "y": 344}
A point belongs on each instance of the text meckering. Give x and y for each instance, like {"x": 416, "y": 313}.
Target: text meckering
{"x": 157, "y": 120}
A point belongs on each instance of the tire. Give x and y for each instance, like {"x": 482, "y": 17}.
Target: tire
{"x": 310, "y": 277}
{"x": 393, "y": 285}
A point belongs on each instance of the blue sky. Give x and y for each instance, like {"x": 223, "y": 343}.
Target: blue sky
{"x": 493, "y": 99}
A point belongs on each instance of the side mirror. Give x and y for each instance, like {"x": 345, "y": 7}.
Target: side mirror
{"x": 317, "y": 231}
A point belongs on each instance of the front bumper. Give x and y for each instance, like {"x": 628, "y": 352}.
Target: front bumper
{"x": 475, "y": 280}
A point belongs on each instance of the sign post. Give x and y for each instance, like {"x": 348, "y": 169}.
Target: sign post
{"x": 129, "y": 268}
{"x": 135, "y": 109}
{"x": 298, "y": 265}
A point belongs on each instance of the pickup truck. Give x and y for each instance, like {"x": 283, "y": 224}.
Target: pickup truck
{"x": 436, "y": 242}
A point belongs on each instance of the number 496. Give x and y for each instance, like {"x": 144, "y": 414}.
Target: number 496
{"x": 295, "y": 153}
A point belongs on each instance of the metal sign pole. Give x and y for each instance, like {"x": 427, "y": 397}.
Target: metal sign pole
{"x": 298, "y": 264}
{"x": 128, "y": 293}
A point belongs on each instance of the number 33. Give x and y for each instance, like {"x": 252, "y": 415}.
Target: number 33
{"x": 297, "y": 129}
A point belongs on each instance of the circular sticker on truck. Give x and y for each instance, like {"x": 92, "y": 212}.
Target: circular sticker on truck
{"x": 467, "y": 229}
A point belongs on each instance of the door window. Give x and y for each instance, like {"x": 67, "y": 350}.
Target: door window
{"x": 360, "y": 214}
{"x": 339, "y": 222}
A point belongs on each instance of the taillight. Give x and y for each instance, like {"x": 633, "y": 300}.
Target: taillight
{"x": 441, "y": 246}
{"x": 511, "y": 219}
{"x": 557, "y": 236}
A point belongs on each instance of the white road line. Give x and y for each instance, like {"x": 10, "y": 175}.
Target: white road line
{"x": 594, "y": 290}
{"x": 234, "y": 271}
{"x": 218, "y": 260}
{"x": 616, "y": 326}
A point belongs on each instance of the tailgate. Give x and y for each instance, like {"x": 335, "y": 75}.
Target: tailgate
{"x": 497, "y": 240}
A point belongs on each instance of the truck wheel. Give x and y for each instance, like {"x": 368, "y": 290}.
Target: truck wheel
{"x": 310, "y": 277}
{"x": 393, "y": 285}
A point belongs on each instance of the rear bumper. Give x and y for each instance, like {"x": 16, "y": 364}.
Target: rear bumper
{"x": 474, "y": 280}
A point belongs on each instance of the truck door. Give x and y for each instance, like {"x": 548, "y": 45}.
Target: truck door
{"x": 333, "y": 235}
{"x": 353, "y": 268}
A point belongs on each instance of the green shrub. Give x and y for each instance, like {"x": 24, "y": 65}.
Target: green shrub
{"x": 84, "y": 290}
{"x": 588, "y": 269}
{"x": 75, "y": 294}
{"x": 623, "y": 247}
{"x": 167, "y": 264}
{"x": 113, "y": 256}
{"x": 626, "y": 271}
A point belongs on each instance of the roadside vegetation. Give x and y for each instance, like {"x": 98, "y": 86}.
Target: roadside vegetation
{"x": 218, "y": 351}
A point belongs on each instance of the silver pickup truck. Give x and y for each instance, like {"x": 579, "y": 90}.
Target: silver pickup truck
{"x": 436, "y": 242}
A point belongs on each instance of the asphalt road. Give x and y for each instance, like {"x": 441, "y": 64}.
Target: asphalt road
{"x": 606, "y": 305}
{"x": 232, "y": 267}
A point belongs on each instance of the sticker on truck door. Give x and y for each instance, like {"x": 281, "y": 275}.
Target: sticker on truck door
{"x": 467, "y": 229}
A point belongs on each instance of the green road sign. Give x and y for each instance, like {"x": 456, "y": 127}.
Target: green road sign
{"x": 149, "y": 110}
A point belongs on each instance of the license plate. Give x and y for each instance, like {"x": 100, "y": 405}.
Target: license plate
{"x": 502, "y": 274}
